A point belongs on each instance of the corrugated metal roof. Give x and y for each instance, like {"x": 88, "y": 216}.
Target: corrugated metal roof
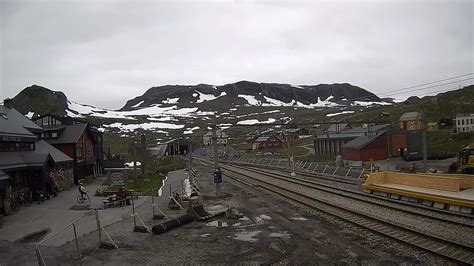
{"x": 353, "y": 132}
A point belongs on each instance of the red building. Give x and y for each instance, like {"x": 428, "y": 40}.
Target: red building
{"x": 269, "y": 142}
{"x": 381, "y": 145}
{"x": 366, "y": 148}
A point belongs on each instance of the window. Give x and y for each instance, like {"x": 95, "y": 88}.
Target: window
{"x": 462, "y": 122}
{"x": 54, "y": 134}
{"x": 79, "y": 152}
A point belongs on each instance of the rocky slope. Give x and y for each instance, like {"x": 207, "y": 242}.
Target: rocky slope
{"x": 246, "y": 92}
{"x": 182, "y": 109}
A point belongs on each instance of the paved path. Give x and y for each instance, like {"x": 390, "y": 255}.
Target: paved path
{"x": 310, "y": 148}
{"x": 55, "y": 214}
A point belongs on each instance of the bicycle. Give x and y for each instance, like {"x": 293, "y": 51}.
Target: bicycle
{"x": 82, "y": 198}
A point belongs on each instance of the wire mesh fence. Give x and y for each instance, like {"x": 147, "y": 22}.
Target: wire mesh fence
{"x": 305, "y": 166}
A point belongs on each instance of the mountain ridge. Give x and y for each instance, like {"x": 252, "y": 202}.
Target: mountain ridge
{"x": 285, "y": 93}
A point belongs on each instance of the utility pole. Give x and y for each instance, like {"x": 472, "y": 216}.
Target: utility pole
{"x": 290, "y": 157}
{"x": 143, "y": 153}
{"x": 425, "y": 149}
{"x": 216, "y": 159}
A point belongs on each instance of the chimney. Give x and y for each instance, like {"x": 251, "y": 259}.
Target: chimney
{"x": 8, "y": 103}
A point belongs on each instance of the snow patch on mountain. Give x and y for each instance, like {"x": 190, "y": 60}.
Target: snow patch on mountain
{"x": 147, "y": 126}
{"x": 170, "y": 101}
{"x": 250, "y": 99}
{"x": 30, "y": 115}
{"x": 138, "y": 104}
{"x": 340, "y": 113}
{"x": 190, "y": 130}
{"x": 255, "y": 121}
{"x": 365, "y": 103}
{"x": 207, "y": 97}
{"x": 152, "y": 111}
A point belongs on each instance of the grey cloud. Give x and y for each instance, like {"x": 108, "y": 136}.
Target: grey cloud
{"x": 105, "y": 52}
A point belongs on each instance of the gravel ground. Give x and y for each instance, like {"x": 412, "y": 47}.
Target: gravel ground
{"x": 356, "y": 191}
{"x": 458, "y": 233}
{"x": 272, "y": 230}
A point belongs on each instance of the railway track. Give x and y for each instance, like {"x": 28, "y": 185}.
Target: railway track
{"x": 444, "y": 214}
{"x": 450, "y": 217}
{"x": 457, "y": 252}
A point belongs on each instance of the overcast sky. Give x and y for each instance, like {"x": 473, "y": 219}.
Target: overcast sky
{"x": 106, "y": 52}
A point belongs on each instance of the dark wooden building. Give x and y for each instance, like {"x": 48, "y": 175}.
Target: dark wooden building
{"x": 79, "y": 140}
{"x": 28, "y": 164}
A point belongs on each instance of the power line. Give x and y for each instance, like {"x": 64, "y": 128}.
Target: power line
{"x": 416, "y": 86}
{"x": 429, "y": 83}
{"x": 439, "y": 85}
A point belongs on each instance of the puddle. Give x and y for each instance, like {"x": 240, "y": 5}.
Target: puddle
{"x": 282, "y": 234}
{"x": 247, "y": 236}
{"x": 236, "y": 224}
{"x": 217, "y": 224}
{"x": 299, "y": 218}
{"x": 81, "y": 208}
{"x": 265, "y": 217}
{"x": 205, "y": 235}
{"x": 34, "y": 237}
{"x": 187, "y": 187}
{"x": 245, "y": 218}
{"x": 160, "y": 191}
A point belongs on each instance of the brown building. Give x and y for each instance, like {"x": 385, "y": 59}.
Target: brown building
{"x": 78, "y": 140}
{"x": 290, "y": 134}
{"x": 28, "y": 165}
{"x": 432, "y": 126}
{"x": 411, "y": 121}
{"x": 267, "y": 143}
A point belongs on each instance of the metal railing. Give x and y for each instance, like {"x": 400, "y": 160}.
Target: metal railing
{"x": 75, "y": 243}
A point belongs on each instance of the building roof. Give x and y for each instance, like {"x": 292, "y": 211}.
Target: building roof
{"x": 20, "y": 159}
{"x": 158, "y": 150}
{"x": 337, "y": 127}
{"x": 353, "y": 132}
{"x": 261, "y": 139}
{"x": 362, "y": 141}
{"x": 410, "y": 116}
{"x": 70, "y": 134}
{"x": 57, "y": 155}
{"x": 219, "y": 133}
{"x": 464, "y": 115}
{"x": 13, "y": 123}
{"x": 36, "y": 158}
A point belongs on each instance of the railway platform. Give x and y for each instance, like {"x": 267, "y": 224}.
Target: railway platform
{"x": 450, "y": 192}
